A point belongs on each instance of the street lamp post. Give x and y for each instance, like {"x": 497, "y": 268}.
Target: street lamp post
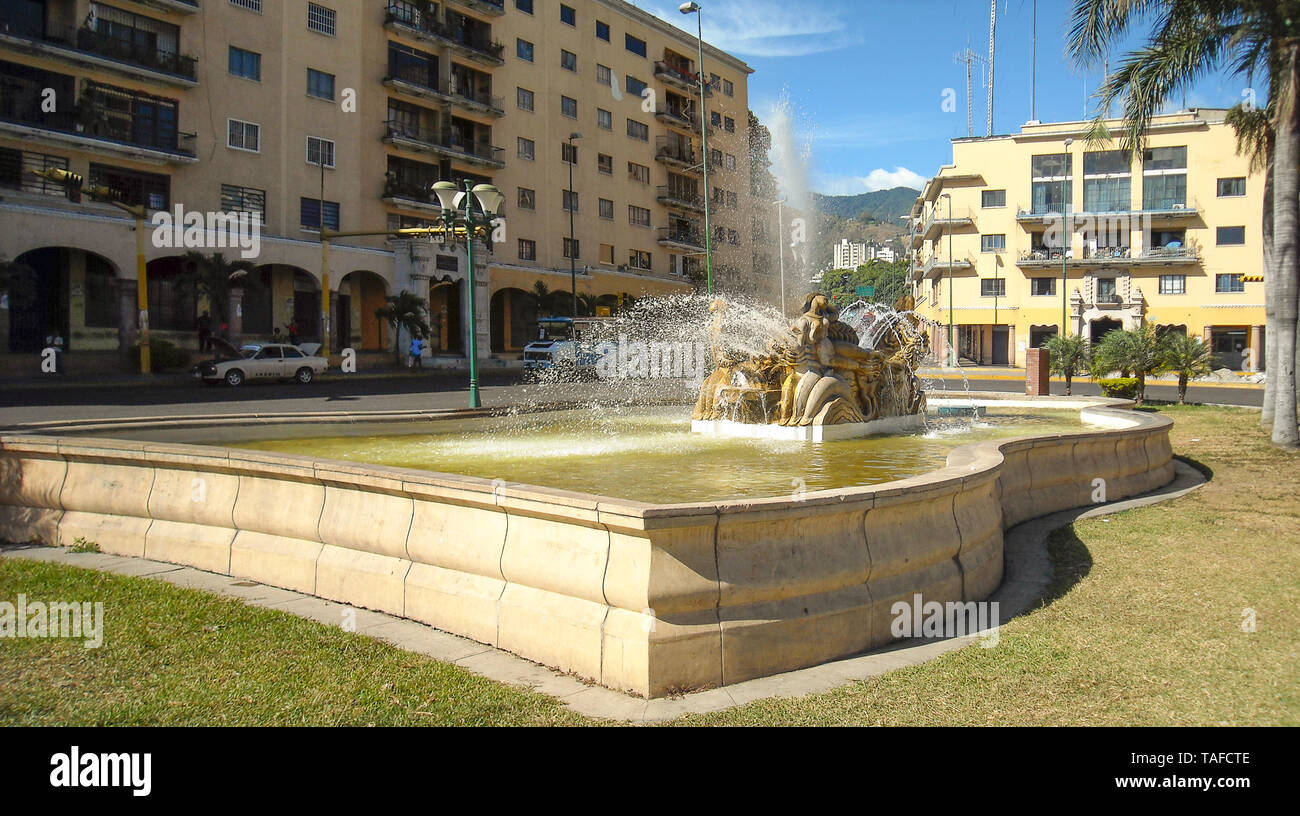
{"x": 1066, "y": 234}
{"x": 694, "y": 8}
{"x": 489, "y": 199}
{"x": 573, "y": 255}
{"x": 952, "y": 340}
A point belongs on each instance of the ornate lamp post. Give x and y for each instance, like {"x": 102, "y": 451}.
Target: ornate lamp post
{"x": 459, "y": 217}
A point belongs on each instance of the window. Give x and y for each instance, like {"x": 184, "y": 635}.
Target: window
{"x": 604, "y": 119}
{"x": 731, "y": 162}
{"x": 602, "y": 30}
{"x": 1106, "y": 290}
{"x": 1042, "y": 286}
{"x": 732, "y": 200}
{"x": 733, "y": 237}
{"x": 997, "y": 287}
{"x": 635, "y": 45}
{"x": 251, "y": 5}
{"x": 638, "y": 172}
{"x": 243, "y": 135}
{"x": 1173, "y": 284}
{"x": 1230, "y": 236}
{"x": 728, "y": 87}
{"x": 993, "y": 243}
{"x": 526, "y": 6}
{"x": 320, "y": 84}
{"x": 568, "y": 16}
{"x": 320, "y": 18}
{"x": 1106, "y": 182}
{"x": 568, "y": 60}
{"x": 320, "y": 151}
{"x": 638, "y": 216}
{"x": 605, "y": 164}
{"x": 132, "y": 186}
{"x": 638, "y": 130}
{"x": 527, "y": 250}
{"x": 730, "y": 125}
{"x": 639, "y": 260}
{"x": 524, "y": 50}
{"x": 715, "y": 119}
{"x": 607, "y": 254}
{"x": 311, "y": 213}
{"x": 568, "y": 153}
{"x": 606, "y": 209}
{"x": 527, "y": 149}
{"x": 572, "y": 248}
{"x": 1052, "y": 189}
{"x": 1231, "y": 187}
{"x": 569, "y": 107}
{"x": 527, "y": 199}
{"x": 635, "y": 87}
{"x": 1229, "y": 283}
{"x": 569, "y": 201}
{"x": 604, "y": 76}
{"x": 993, "y": 198}
{"x": 524, "y": 99}
{"x": 246, "y": 64}
{"x": 244, "y": 199}
{"x": 1164, "y": 178}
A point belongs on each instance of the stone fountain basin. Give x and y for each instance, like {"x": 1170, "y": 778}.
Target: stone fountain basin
{"x": 645, "y": 598}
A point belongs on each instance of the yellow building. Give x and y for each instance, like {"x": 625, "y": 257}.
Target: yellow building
{"x": 1044, "y": 227}
{"x": 346, "y": 113}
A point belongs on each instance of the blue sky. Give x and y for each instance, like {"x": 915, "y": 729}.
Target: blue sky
{"x": 866, "y": 78}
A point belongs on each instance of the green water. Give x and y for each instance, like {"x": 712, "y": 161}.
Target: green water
{"x": 651, "y": 455}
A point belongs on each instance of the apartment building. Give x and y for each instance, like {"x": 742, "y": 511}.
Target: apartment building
{"x": 344, "y": 114}
{"x": 1045, "y": 227}
{"x": 852, "y": 254}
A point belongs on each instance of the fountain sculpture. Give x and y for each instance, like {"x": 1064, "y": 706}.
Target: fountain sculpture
{"x": 822, "y": 379}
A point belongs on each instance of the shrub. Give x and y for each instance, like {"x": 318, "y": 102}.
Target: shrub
{"x": 1121, "y": 387}
{"x": 162, "y": 355}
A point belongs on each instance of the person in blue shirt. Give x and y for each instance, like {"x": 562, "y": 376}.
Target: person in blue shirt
{"x": 417, "y": 351}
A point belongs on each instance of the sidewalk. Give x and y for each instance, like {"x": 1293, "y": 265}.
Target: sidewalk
{"x": 179, "y": 378}
{"x": 1018, "y": 374}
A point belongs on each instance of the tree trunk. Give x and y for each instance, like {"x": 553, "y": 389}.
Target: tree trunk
{"x": 1182, "y": 389}
{"x": 1068, "y": 379}
{"x": 1142, "y": 389}
{"x": 1270, "y": 299}
{"x": 1286, "y": 223}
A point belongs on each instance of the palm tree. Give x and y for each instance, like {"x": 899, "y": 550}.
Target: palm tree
{"x": 1189, "y": 39}
{"x": 1069, "y": 356}
{"x": 1188, "y": 356}
{"x": 404, "y": 311}
{"x": 212, "y": 277}
{"x": 1137, "y": 351}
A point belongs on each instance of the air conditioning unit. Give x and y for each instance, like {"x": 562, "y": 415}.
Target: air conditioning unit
{"x": 622, "y": 267}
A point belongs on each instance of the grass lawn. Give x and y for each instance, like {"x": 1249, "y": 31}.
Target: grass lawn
{"x": 1144, "y": 627}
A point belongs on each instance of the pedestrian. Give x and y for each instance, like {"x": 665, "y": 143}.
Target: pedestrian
{"x": 293, "y": 332}
{"x": 277, "y": 336}
{"x": 54, "y": 341}
{"x": 417, "y": 351}
{"x": 205, "y": 332}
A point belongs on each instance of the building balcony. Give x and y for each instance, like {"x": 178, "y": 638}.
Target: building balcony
{"x": 488, "y": 8}
{"x": 1107, "y": 256}
{"x": 98, "y": 129}
{"x": 1162, "y": 209}
{"x": 940, "y": 219}
{"x": 178, "y": 6}
{"x": 681, "y": 199}
{"x": 677, "y": 156}
{"x": 411, "y": 196}
{"x": 422, "y": 27}
{"x": 676, "y": 117}
{"x": 416, "y": 85}
{"x": 90, "y": 48}
{"x": 444, "y": 143}
{"x": 686, "y": 240}
{"x": 935, "y": 266}
{"x": 672, "y": 75}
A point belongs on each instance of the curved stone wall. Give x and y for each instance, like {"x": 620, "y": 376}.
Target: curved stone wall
{"x": 646, "y": 598}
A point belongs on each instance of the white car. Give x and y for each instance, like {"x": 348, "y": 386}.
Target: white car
{"x": 260, "y": 361}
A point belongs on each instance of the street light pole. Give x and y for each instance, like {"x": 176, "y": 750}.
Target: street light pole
{"x": 694, "y": 8}
{"x": 1066, "y": 230}
{"x": 573, "y": 255}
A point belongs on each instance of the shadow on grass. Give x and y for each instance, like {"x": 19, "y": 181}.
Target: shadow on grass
{"x": 1205, "y": 470}
{"x": 1071, "y": 563}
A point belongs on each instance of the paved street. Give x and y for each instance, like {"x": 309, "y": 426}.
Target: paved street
{"x": 176, "y": 395}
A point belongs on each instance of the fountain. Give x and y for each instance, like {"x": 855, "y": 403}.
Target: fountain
{"x": 821, "y": 380}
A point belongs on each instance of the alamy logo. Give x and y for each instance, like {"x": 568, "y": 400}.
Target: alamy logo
{"x": 91, "y": 770}
{"x": 191, "y": 229}
{"x": 931, "y": 619}
{"x": 55, "y": 619}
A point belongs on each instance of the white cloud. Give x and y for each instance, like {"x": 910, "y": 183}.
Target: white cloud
{"x": 764, "y": 28}
{"x": 878, "y": 179}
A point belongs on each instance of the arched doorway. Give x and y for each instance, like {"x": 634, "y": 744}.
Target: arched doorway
{"x": 445, "y": 298}
{"x": 38, "y": 297}
{"x": 355, "y": 325}
{"x": 1103, "y": 326}
{"x": 513, "y": 320}
{"x": 173, "y": 307}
